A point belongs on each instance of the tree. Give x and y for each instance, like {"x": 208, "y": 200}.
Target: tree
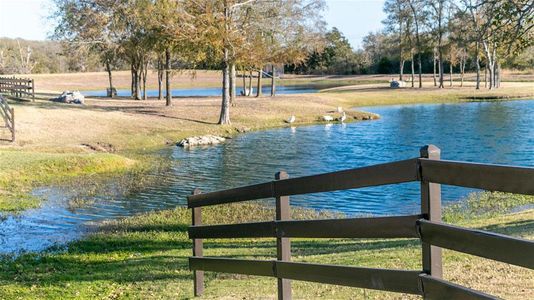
{"x": 416, "y": 7}
{"x": 87, "y": 26}
{"x": 398, "y": 19}
{"x": 438, "y": 9}
{"x": 502, "y": 28}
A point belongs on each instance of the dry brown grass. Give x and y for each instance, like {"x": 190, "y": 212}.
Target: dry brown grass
{"x": 121, "y": 79}
{"x": 128, "y": 124}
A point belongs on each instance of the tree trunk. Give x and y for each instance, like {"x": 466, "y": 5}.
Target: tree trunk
{"x": 244, "y": 82}
{"x": 108, "y": 69}
{"x": 225, "y": 105}
{"x": 486, "y": 75}
{"x": 498, "y": 74}
{"x": 401, "y": 69}
{"x": 249, "y": 83}
{"x": 413, "y": 70}
{"x": 132, "y": 79}
{"x": 462, "y": 70}
{"x": 168, "y": 95}
{"x": 144, "y": 75}
{"x": 477, "y": 62}
{"x": 160, "y": 79}
{"x": 420, "y": 65}
{"x": 435, "y": 61}
{"x": 136, "y": 82}
{"x": 450, "y": 74}
{"x": 232, "y": 84}
{"x": 419, "y": 45}
{"x": 260, "y": 76}
{"x": 491, "y": 70}
{"x": 401, "y": 61}
{"x": 138, "y": 85}
{"x": 273, "y": 81}
{"x": 440, "y": 68}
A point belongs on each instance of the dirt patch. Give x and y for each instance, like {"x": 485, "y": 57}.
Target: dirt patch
{"x": 99, "y": 147}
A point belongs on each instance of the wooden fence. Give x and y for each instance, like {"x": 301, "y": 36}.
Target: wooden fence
{"x": 17, "y": 87}
{"x": 8, "y": 114}
{"x": 426, "y": 226}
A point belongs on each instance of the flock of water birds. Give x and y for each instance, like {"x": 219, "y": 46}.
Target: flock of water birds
{"x": 326, "y": 118}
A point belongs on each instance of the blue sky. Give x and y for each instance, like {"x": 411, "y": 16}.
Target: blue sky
{"x": 28, "y": 19}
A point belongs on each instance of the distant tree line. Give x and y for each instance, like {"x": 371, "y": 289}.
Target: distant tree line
{"x": 436, "y": 36}
{"x": 18, "y": 56}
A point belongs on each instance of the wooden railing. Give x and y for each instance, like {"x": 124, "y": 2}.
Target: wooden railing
{"x": 426, "y": 226}
{"x": 17, "y": 87}
{"x": 8, "y": 114}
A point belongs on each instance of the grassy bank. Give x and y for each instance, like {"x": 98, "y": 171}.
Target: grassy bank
{"x": 23, "y": 171}
{"x": 145, "y": 257}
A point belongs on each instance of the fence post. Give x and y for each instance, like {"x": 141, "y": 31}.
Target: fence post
{"x": 198, "y": 276}
{"x": 283, "y": 245}
{"x": 33, "y": 90}
{"x": 12, "y": 125}
{"x": 431, "y": 208}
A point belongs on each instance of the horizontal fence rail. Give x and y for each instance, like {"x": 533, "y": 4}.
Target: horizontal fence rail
{"x": 486, "y": 244}
{"x": 385, "y": 227}
{"x": 426, "y": 226}
{"x": 390, "y": 173}
{"x": 481, "y": 176}
{"x": 379, "y": 279}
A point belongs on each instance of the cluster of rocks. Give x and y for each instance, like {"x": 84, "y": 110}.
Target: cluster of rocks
{"x": 71, "y": 97}
{"x": 201, "y": 141}
{"x": 368, "y": 117}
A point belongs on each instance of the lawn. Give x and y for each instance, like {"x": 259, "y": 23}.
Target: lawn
{"x": 145, "y": 257}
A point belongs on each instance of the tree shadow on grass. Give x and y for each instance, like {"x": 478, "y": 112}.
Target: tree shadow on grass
{"x": 516, "y": 228}
{"x": 116, "y": 258}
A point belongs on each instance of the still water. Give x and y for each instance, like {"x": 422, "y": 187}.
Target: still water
{"x": 489, "y": 132}
{"x": 205, "y": 92}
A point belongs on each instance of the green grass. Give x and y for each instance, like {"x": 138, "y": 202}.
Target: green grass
{"x": 145, "y": 257}
{"x": 20, "y": 172}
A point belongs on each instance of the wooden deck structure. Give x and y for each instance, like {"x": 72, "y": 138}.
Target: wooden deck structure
{"x": 427, "y": 169}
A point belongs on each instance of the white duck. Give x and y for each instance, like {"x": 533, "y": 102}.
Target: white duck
{"x": 291, "y": 120}
{"x": 343, "y": 117}
{"x": 328, "y": 118}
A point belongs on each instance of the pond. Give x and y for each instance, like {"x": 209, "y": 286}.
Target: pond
{"x": 489, "y": 132}
{"x": 205, "y": 92}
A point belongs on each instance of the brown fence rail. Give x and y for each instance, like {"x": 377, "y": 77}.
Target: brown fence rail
{"x": 17, "y": 87}
{"x": 427, "y": 226}
{"x": 8, "y": 114}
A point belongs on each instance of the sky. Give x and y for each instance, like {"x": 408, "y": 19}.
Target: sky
{"x": 28, "y": 19}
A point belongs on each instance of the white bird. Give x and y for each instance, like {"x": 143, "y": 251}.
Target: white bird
{"x": 339, "y": 109}
{"x": 328, "y": 118}
{"x": 343, "y": 117}
{"x": 291, "y": 120}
